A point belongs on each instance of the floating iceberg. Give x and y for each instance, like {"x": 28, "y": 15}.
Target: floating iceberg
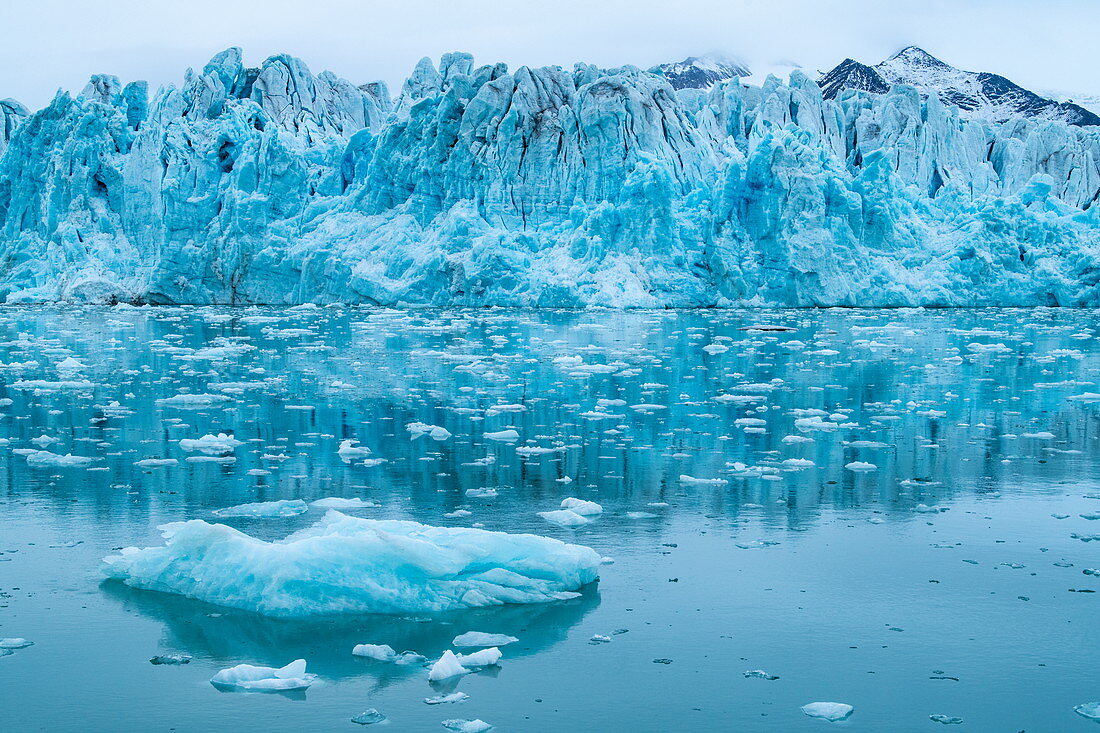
{"x": 369, "y": 717}
{"x": 509, "y": 435}
{"x": 449, "y": 698}
{"x": 481, "y": 658}
{"x": 264, "y": 679}
{"x": 214, "y": 445}
{"x": 192, "y": 400}
{"x": 14, "y": 643}
{"x": 830, "y": 711}
{"x": 336, "y": 502}
{"x": 447, "y": 667}
{"x": 156, "y": 462}
{"x": 435, "y": 432}
{"x": 346, "y": 564}
{"x": 381, "y": 652}
{"x": 480, "y": 638}
{"x": 349, "y": 451}
{"x": 1090, "y": 710}
{"x": 582, "y": 507}
{"x": 265, "y": 509}
{"x": 46, "y": 459}
{"x": 565, "y": 518}
{"x": 467, "y": 726}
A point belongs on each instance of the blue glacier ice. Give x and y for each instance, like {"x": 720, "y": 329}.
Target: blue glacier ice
{"x": 478, "y": 186}
{"x": 345, "y": 564}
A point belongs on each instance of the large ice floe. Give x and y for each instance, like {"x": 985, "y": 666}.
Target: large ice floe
{"x": 538, "y": 187}
{"x": 346, "y": 564}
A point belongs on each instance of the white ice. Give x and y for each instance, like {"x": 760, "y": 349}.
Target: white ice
{"x": 482, "y": 639}
{"x": 265, "y": 509}
{"x": 831, "y": 711}
{"x": 265, "y": 679}
{"x": 346, "y": 564}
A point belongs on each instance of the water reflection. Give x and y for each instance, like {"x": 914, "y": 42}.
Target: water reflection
{"x": 624, "y": 402}
{"x": 743, "y": 472}
{"x": 228, "y": 636}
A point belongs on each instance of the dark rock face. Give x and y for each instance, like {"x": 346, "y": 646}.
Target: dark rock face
{"x": 702, "y": 72}
{"x": 980, "y": 94}
{"x": 850, "y": 74}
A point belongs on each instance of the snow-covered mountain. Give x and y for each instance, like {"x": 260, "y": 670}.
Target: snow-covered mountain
{"x": 480, "y": 185}
{"x": 1091, "y": 102}
{"x": 703, "y": 72}
{"x": 978, "y": 94}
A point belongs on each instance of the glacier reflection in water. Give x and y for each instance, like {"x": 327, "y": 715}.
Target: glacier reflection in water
{"x": 884, "y": 508}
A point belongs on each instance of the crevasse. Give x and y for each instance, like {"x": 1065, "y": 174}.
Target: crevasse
{"x": 538, "y": 187}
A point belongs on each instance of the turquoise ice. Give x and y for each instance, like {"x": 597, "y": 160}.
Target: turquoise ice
{"x": 538, "y": 187}
{"x": 344, "y": 565}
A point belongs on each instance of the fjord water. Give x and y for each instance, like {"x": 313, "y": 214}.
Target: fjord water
{"x": 925, "y": 556}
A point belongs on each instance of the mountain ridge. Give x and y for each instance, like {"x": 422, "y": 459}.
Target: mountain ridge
{"x": 979, "y": 94}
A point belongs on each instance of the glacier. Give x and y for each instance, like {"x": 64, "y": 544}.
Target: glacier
{"x": 538, "y": 187}
{"x": 348, "y": 565}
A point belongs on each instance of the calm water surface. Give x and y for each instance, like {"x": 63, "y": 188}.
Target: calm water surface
{"x": 949, "y": 579}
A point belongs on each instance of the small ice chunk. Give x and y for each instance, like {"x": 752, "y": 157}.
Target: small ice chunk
{"x": 691, "y": 480}
{"x": 156, "y": 462}
{"x": 453, "y": 697}
{"x": 349, "y": 451}
{"x": 582, "y": 507}
{"x": 945, "y": 719}
{"x": 265, "y": 509}
{"x": 830, "y": 711}
{"x": 504, "y": 436}
{"x": 1090, "y": 710}
{"x": 69, "y": 367}
{"x": 381, "y": 652}
{"x": 337, "y": 502}
{"x": 467, "y": 726}
{"x": 600, "y": 639}
{"x": 14, "y": 642}
{"x": 565, "y": 518}
{"x": 214, "y": 445}
{"x": 861, "y": 466}
{"x": 761, "y": 674}
{"x": 482, "y": 639}
{"x": 370, "y": 717}
{"x": 171, "y": 659}
{"x": 446, "y": 667}
{"x": 482, "y": 493}
{"x": 481, "y": 658}
{"x": 264, "y": 679}
{"x": 435, "y": 432}
{"x": 46, "y": 459}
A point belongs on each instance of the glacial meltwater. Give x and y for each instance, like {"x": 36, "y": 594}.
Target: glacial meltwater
{"x": 791, "y": 512}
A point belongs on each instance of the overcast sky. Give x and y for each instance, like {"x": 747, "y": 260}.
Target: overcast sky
{"x": 50, "y": 44}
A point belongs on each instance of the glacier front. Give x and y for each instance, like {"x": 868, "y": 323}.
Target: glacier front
{"x": 478, "y": 186}
{"x": 345, "y": 565}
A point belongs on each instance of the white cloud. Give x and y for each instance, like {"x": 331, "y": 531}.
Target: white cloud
{"x": 47, "y": 44}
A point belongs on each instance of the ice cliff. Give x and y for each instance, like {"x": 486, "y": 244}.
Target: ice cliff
{"x": 538, "y": 187}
